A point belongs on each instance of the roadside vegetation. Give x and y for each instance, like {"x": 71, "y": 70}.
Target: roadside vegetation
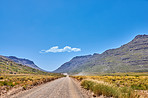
{"x": 14, "y": 76}
{"x": 24, "y": 82}
{"x": 121, "y": 85}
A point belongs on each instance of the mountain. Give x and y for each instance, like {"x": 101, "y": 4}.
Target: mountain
{"x": 73, "y": 64}
{"x": 26, "y": 62}
{"x": 8, "y": 66}
{"x": 131, "y": 57}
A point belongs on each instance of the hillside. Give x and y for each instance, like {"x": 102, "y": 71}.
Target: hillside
{"x": 73, "y": 64}
{"x": 131, "y": 57}
{"x": 8, "y": 66}
{"x": 26, "y": 62}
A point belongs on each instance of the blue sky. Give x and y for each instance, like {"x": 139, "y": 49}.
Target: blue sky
{"x": 28, "y": 27}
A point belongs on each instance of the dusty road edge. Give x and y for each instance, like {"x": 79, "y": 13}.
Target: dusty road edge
{"x": 88, "y": 92}
{"x": 18, "y": 90}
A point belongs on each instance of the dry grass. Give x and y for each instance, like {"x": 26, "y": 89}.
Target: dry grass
{"x": 117, "y": 86}
{"x": 108, "y": 90}
{"x": 8, "y": 82}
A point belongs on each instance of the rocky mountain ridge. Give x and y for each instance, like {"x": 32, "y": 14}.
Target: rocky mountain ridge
{"x": 7, "y": 66}
{"x": 131, "y": 57}
{"x": 23, "y": 61}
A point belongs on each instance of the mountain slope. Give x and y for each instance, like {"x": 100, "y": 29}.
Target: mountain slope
{"x": 8, "y": 66}
{"x": 73, "y": 64}
{"x": 131, "y": 57}
{"x": 23, "y": 62}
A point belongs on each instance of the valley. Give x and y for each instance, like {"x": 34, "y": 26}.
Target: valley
{"x": 117, "y": 73}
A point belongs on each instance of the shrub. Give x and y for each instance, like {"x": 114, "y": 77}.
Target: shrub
{"x": 105, "y": 89}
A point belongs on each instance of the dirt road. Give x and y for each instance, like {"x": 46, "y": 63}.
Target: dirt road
{"x": 60, "y": 88}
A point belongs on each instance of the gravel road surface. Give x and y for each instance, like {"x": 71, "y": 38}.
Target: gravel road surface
{"x": 61, "y": 88}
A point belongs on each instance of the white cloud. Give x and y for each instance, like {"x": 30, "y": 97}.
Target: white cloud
{"x": 65, "y": 49}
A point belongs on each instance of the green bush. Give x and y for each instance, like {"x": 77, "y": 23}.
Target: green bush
{"x": 108, "y": 90}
